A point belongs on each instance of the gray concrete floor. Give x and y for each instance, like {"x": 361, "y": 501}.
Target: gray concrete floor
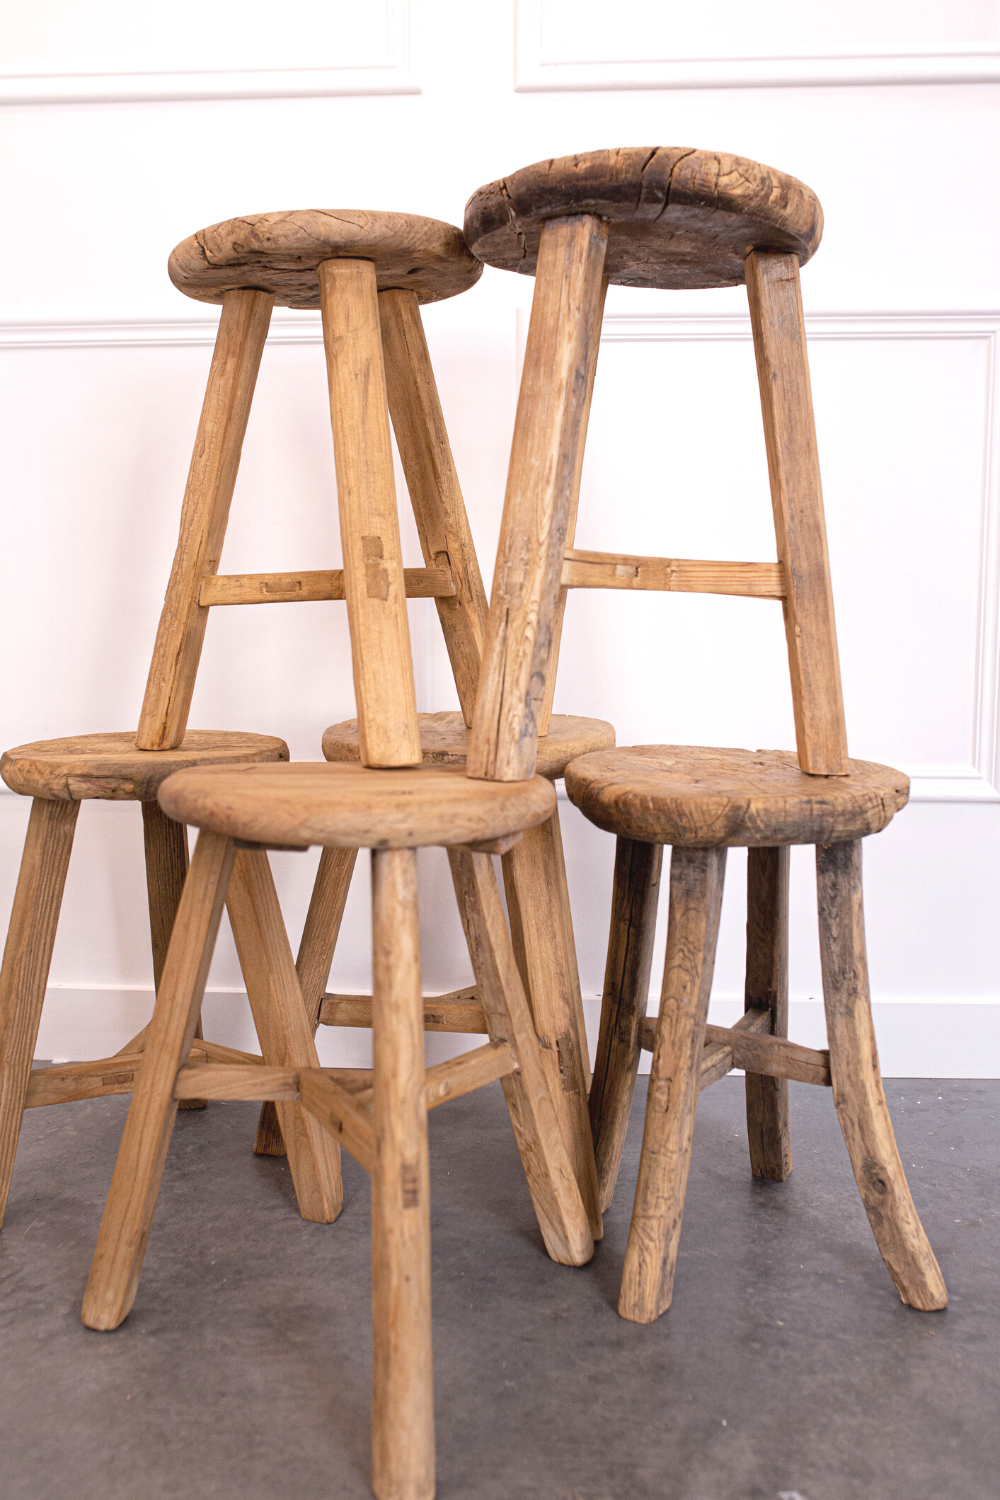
{"x": 787, "y": 1368}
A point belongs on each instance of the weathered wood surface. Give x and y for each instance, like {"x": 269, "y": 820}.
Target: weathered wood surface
{"x": 369, "y": 524}
{"x": 435, "y": 493}
{"x": 290, "y": 588}
{"x": 696, "y": 880}
{"x": 772, "y": 1056}
{"x": 282, "y": 251}
{"x": 473, "y": 1070}
{"x": 613, "y": 570}
{"x": 444, "y": 740}
{"x": 204, "y": 517}
{"x": 354, "y": 807}
{"x": 166, "y": 851}
{"x": 705, "y": 798}
{"x": 549, "y": 436}
{"x": 857, "y": 1083}
{"x": 110, "y": 768}
{"x": 26, "y": 959}
{"x": 459, "y": 1010}
{"x": 766, "y": 993}
{"x": 335, "y": 1108}
{"x": 797, "y": 501}
{"x": 623, "y": 1004}
{"x": 678, "y": 217}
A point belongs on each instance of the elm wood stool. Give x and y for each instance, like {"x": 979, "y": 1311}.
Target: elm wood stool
{"x": 672, "y": 217}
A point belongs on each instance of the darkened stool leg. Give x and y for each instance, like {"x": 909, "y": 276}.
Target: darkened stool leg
{"x": 767, "y": 989}
{"x": 857, "y": 1082}
{"x": 623, "y": 1005}
{"x": 696, "y": 878}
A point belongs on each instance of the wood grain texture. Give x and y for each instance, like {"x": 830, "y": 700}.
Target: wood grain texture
{"x": 545, "y": 933}
{"x": 459, "y": 1010}
{"x": 547, "y": 449}
{"x": 353, "y": 807}
{"x": 779, "y": 337}
{"x": 26, "y": 960}
{"x": 766, "y": 990}
{"x": 108, "y": 767}
{"x": 369, "y": 524}
{"x": 444, "y": 740}
{"x": 548, "y": 1167}
{"x": 283, "y": 251}
{"x": 857, "y": 1082}
{"x": 696, "y": 879}
{"x": 284, "y": 1028}
{"x": 435, "y": 493}
{"x": 166, "y": 851}
{"x": 292, "y": 588}
{"x": 131, "y": 1202}
{"x": 774, "y": 1057}
{"x": 402, "y": 1362}
{"x": 678, "y": 217}
{"x": 623, "y": 1004}
{"x": 705, "y": 798}
{"x": 473, "y": 1070}
{"x": 614, "y": 570}
{"x": 204, "y": 517}
{"x": 338, "y": 1111}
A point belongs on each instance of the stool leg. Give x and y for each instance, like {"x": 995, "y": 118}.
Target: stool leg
{"x": 532, "y": 875}
{"x": 531, "y": 1091}
{"x": 402, "y": 1373}
{"x": 623, "y": 1004}
{"x": 166, "y": 850}
{"x": 696, "y": 877}
{"x": 767, "y": 989}
{"x": 857, "y": 1082}
{"x": 285, "y": 1029}
{"x": 26, "y": 960}
{"x": 316, "y": 950}
{"x": 131, "y": 1203}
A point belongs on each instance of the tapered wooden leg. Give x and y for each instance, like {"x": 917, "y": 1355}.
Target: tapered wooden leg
{"x": 531, "y": 1091}
{"x": 402, "y": 1361}
{"x": 767, "y": 989}
{"x": 285, "y": 1029}
{"x": 131, "y": 1203}
{"x": 26, "y": 960}
{"x": 623, "y": 1005}
{"x": 696, "y": 877}
{"x": 857, "y": 1082}
{"x": 166, "y": 849}
{"x": 532, "y": 876}
{"x": 316, "y": 950}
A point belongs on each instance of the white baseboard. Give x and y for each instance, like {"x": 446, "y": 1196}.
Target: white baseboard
{"x": 917, "y": 1038}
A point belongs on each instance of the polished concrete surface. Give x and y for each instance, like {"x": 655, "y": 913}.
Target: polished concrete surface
{"x": 787, "y": 1368}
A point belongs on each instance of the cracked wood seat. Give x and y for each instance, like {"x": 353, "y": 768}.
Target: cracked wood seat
{"x": 351, "y": 806}
{"x": 108, "y": 767}
{"x": 694, "y": 798}
{"x": 280, "y": 253}
{"x": 676, "y": 217}
{"x": 444, "y": 740}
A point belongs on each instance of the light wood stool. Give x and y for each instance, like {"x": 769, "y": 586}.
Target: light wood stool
{"x": 669, "y": 217}
{"x": 394, "y": 805}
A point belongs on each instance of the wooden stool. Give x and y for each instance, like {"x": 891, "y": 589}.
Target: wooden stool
{"x": 392, "y": 804}
{"x": 247, "y": 266}
{"x": 669, "y": 217}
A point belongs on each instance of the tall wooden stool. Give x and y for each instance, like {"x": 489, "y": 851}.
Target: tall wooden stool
{"x": 392, "y": 804}
{"x": 669, "y": 217}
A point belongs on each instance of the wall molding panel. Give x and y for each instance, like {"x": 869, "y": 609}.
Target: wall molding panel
{"x": 548, "y": 53}
{"x": 388, "y": 72}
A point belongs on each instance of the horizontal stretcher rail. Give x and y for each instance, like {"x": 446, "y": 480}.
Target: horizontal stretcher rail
{"x": 614, "y": 570}
{"x": 749, "y": 1046}
{"x": 460, "y": 1010}
{"x": 291, "y": 588}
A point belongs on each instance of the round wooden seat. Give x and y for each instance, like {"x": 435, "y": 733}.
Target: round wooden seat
{"x": 704, "y": 799}
{"x": 279, "y": 253}
{"x": 353, "y": 807}
{"x": 678, "y": 217}
{"x": 109, "y": 767}
{"x": 444, "y": 739}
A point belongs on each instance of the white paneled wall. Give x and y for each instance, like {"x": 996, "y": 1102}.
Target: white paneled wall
{"x": 125, "y": 128}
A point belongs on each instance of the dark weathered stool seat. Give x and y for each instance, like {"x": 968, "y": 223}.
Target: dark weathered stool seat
{"x": 280, "y": 253}
{"x": 444, "y": 740}
{"x": 693, "y": 798}
{"x": 677, "y": 217}
{"x": 110, "y": 768}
